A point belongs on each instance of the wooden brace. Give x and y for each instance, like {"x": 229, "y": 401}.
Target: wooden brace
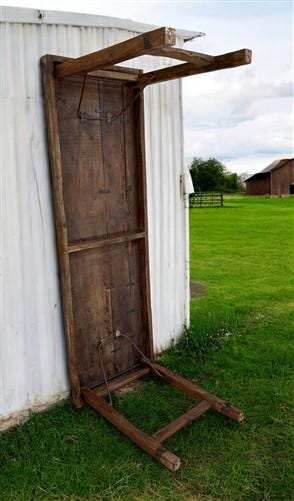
{"x": 158, "y": 42}
{"x": 152, "y": 444}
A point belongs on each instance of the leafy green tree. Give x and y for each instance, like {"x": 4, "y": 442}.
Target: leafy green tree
{"x": 212, "y": 175}
{"x": 207, "y": 175}
{"x": 232, "y": 181}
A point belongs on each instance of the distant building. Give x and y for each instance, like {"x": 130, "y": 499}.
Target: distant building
{"x": 276, "y": 179}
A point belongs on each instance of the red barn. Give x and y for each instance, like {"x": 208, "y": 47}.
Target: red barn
{"x": 276, "y": 179}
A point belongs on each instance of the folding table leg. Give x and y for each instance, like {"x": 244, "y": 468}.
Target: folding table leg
{"x": 146, "y": 442}
{"x": 195, "y": 391}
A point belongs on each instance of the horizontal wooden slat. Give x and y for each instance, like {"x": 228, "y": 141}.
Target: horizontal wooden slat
{"x": 180, "y": 422}
{"x": 121, "y": 381}
{"x": 230, "y": 60}
{"x": 92, "y": 244}
{"x": 118, "y": 73}
{"x": 128, "y": 49}
{"x": 124, "y": 69}
{"x": 120, "y": 69}
{"x": 115, "y": 72}
{"x": 115, "y": 75}
{"x": 195, "y": 391}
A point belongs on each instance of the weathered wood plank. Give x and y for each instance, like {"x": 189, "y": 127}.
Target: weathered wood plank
{"x": 124, "y": 70}
{"x": 230, "y": 60}
{"x": 121, "y": 304}
{"x": 143, "y": 224}
{"x": 92, "y": 313}
{"x": 146, "y": 442}
{"x": 131, "y": 171}
{"x": 113, "y": 148}
{"x": 121, "y": 381}
{"x": 179, "y": 423}
{"x": 84, "y": 190}
{"x": 115, "y": 72}
{"x": 128, "y": 49}
{"x": 195, "y": 391}
{"x": 118, "y": 73}
{"x": 60, "y": 222}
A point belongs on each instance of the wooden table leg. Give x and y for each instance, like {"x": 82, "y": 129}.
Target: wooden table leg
{"x": 195, "y": 391}
{"x": 146, "y": 442}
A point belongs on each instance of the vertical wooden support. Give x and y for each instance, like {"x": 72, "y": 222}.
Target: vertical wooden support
{"x": 60, "y": 221}
{"x": 143, "y": 221}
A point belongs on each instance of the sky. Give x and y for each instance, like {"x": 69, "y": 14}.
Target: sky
{"x": 242, "y": 116}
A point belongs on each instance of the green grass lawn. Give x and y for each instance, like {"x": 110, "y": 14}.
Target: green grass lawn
{"x": 239, "y": 346}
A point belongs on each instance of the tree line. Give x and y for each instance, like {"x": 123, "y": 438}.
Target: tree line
{"x": 212, "y": 175}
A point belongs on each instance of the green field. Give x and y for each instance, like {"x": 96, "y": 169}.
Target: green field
{"x": 239, "y": 346}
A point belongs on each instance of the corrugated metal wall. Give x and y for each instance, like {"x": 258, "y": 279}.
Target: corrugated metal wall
{"x": 33, "y": 357}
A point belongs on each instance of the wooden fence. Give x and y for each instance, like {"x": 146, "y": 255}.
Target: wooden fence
{"x": 206, "y": 199}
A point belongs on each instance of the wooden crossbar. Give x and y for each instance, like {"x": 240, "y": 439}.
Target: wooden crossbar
{"x": 93, "y": 244}
{"x": 230, "y": 60}
{"x": 195, "y": 391}
{"x": 116, "y": 74}
{"x": 179, "y": 423}
{"x": 121, "y": 381}
{"x": 128, "y": 49}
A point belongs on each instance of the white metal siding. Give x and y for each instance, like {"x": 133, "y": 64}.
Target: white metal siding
{"x": 33, "y": 365}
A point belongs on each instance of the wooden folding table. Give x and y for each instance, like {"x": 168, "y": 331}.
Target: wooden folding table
{"x": 95, "y": 124}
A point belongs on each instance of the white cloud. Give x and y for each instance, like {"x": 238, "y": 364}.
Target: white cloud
{"x": 244, "y": 116}
{"x": 252, "y": 163}
{"x": 264, "y": 135}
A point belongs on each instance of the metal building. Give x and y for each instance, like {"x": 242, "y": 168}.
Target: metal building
{"x": 33, "y": 365}
{"x": 276, "y": 179}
